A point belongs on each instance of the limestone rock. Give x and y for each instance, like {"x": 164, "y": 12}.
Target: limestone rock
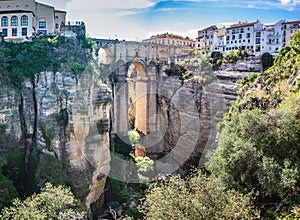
{"x": 190, "y": 112}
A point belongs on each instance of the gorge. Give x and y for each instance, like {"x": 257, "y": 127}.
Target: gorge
{"x": 74, "y": 109}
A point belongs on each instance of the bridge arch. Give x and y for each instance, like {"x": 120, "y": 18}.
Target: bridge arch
{"x": 105, "y": 55}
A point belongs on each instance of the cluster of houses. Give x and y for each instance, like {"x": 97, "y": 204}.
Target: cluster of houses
{"x": 253, "y": 37}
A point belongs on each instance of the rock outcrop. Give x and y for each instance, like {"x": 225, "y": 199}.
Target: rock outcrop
{"x": 68, "y": 117}
{"x": 190, "y": 111}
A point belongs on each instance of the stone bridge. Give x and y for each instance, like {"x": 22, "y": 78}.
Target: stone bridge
{"x": 137, "y": 67}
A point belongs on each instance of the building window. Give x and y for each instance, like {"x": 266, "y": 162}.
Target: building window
{"x": 4, "y": 21}
{"x": 24, "y": 20}
{"x": 24, "y": 31}
{"x": 249, "y": 41}
{"x": 42, "y": 32}
{"x": 4, "y": 32}
{"x": 42, "y": 24}
{"x": 56, "y": 17}
{"x": 240, "y": 36}
{"x": 248, "y": 35}
{"x": 233, "y": 37}
{"x": 14, "y": 32}
{"x": 14, "y": 21}
{"x": 56, "y": 26}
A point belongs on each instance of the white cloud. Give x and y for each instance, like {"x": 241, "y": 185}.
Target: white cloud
{"x": 286, "y": 2}
{"x": 107, "y": 4}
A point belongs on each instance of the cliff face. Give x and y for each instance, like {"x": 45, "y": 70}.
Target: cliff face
{"x": 191, "y": 109}
{"x": 65, "y": 116}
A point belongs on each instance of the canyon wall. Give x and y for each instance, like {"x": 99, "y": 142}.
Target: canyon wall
{"x": 66, "y": 116}
{"x": 190, "y": 110}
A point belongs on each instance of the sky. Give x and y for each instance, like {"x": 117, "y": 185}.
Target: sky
{"x": 139, "y": 19}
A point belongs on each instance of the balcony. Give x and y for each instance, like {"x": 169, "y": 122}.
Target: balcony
{"x": 273, "y": 43}
{"x": 273, "y": 35}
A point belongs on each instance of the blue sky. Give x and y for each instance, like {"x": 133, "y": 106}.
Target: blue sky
{"x": 139, "y": 19}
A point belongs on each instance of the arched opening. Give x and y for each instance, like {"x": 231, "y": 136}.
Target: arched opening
{"x": 163, "y": 55}
{"x": 14, "y": 21}
{"x": 105, "y": 55}
{"x": 4, "y": 21}
{"x": 24, "y": 20}
{"x": 137, "y": 97}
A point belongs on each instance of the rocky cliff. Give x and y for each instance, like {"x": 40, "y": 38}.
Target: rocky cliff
{"x": 66, "y": 116}
{"x": 191, "y": 109}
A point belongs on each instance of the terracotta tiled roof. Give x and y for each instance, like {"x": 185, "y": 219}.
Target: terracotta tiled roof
{"x": 243, "y": 24}
{"x": 291, "y": 22}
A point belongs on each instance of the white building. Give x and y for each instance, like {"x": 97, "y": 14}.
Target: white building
{"x": 272, "y": 38}
{"x": 24, "y": 18}
{"x": 288, "y": 28}
{"x": 254, "y": 37}
{"x": 241, "y": 35}
{"x": 206, "y": 39}
{"x": 220, "y": 41}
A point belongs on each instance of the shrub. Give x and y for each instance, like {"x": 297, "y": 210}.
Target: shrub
{"x": 252, "y": 76}
{"x": 196, "y": 197}
{"x": 134, "y": 136}
{"x": 259, "y": 151}
{"x": 266, "y": 60}
{"x": 63, "y": 117}
{"x": 48, "y": 136}
{"x": 77, "y": 68}
{"x": 51, "y": 203}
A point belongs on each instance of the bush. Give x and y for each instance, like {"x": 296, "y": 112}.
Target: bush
{"x": 252, "y": 76}
{"x": 196, "y": 197}
{"x": 266, "y": 60}
{"x": 14, "y": 169}
{"x": 8, "y": 189}
{"x": 77, "y": 68}
{"x": 51, "y": 170}
{"x": 134, "y": 136}
{"x": 63, "y": 117}
{"x": 259, "y": 151}
{"x": 52, "y": 203}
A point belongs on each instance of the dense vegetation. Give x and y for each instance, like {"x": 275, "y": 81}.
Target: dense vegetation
{"x": 23, "y": 60}
{"x": 259, "y": 147}
{"x": 51, "y": 203}
{"x": 196, "y": 197}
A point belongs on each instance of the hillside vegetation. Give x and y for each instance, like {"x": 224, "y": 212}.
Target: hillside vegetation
{"x": 259, "y": 146}
{"x": 257, "y": 160}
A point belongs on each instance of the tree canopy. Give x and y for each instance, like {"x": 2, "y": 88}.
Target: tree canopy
{"x": 51, "y": 203}
{"x": 196, "y": 197}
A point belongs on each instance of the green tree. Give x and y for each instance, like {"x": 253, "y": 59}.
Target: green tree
{"x": 259, "y": 151}
{"x": 295, "y": 41}
{"x": 266, "y": 60}
{"x": 51, "y": 203}
{"x": 196, "y": 197}
{"x": 7, "y": 188}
